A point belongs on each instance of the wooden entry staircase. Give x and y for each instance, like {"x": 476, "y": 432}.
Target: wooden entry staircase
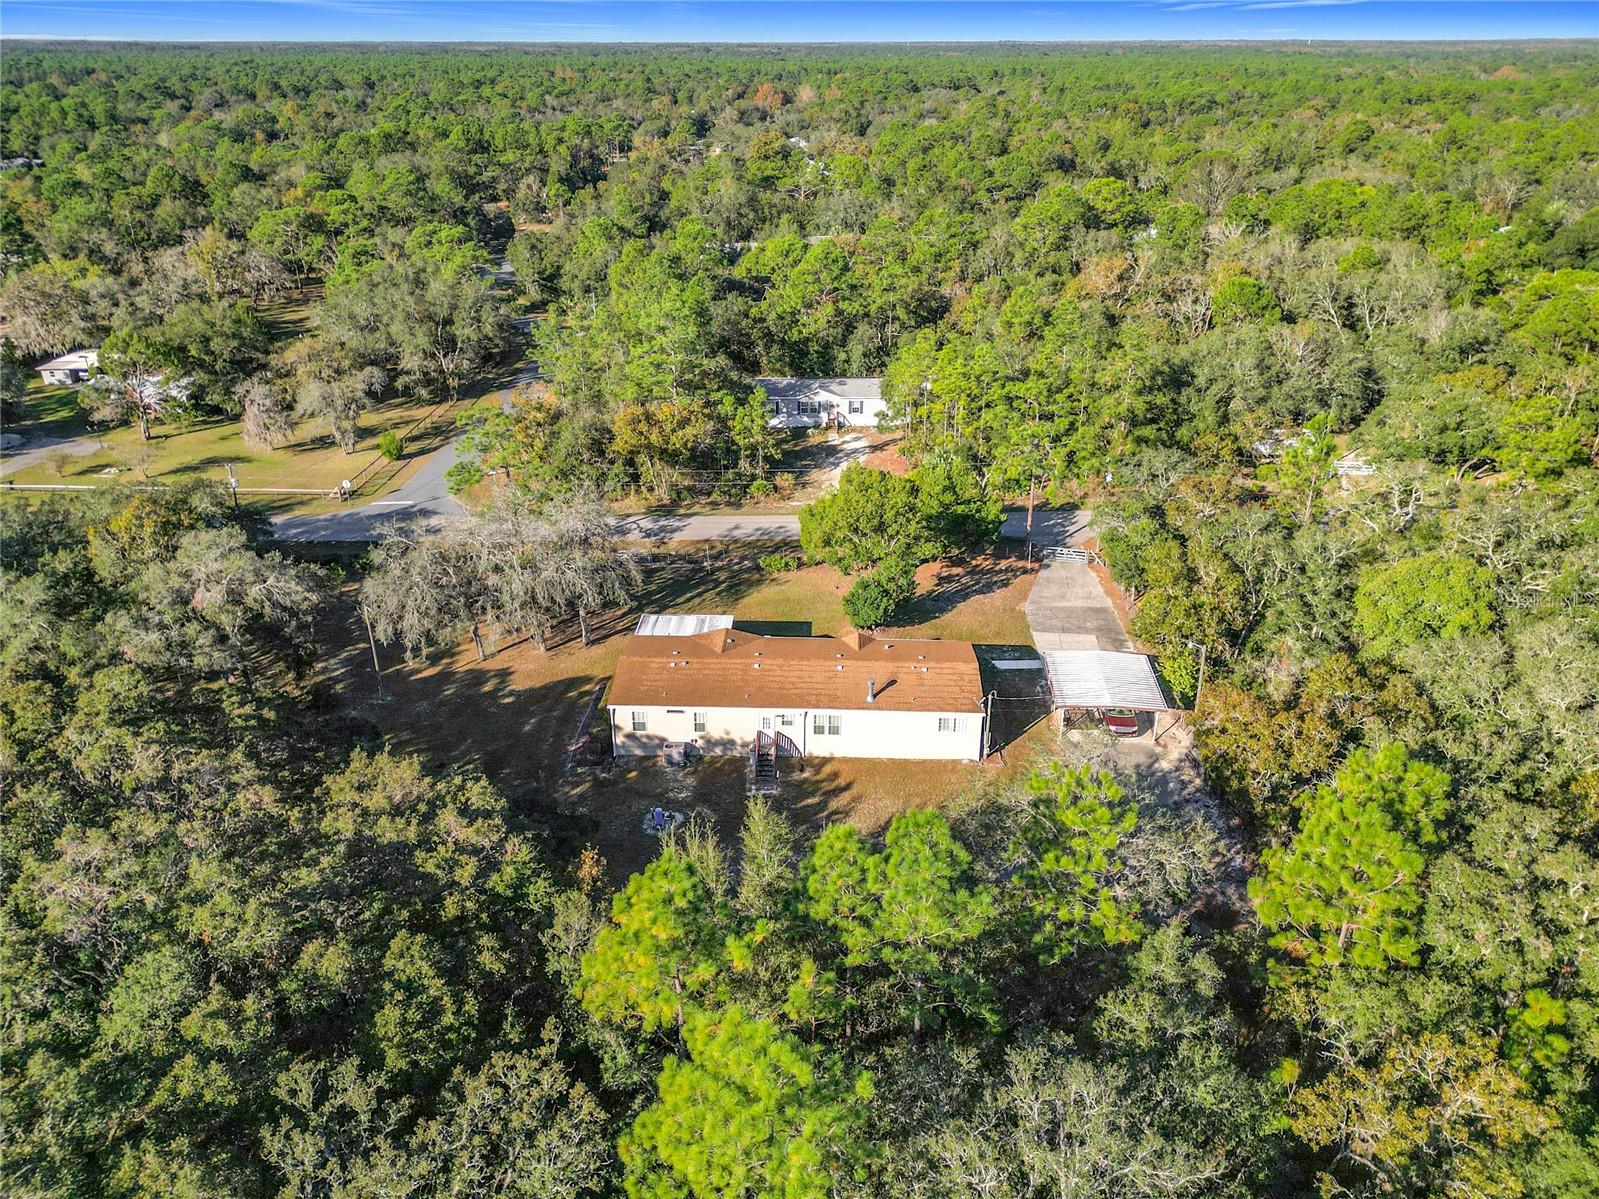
{"x": 763, "y": 764}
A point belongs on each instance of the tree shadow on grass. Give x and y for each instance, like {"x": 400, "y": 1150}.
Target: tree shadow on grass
{"x": 198, "y": 465}
{"x": 960, "y": 581}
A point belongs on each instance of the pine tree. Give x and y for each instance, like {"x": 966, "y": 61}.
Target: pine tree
{"x": 662, "y": 949}
{"x": 1075, "y": 822}
{"x": 752, "y": 1112}
{"x": 1347, "y": 888}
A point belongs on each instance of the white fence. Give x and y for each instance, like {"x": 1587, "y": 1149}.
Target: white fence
{"x": 1068, "y": 553}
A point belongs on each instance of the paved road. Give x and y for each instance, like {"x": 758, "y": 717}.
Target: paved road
{"x": 33, "y": 451}
{"x": 777, "y": 526}
{"x": 1064, "y": 526}
{"x": 422, "y": 500}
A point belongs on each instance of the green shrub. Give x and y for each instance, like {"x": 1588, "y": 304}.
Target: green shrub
{"x": 391, "y": 445}
{"x": 760, "y": 489}
{"x": 785, "y": 482}
{"x": 874, "y": 598}
{"x": 779, "y": 563}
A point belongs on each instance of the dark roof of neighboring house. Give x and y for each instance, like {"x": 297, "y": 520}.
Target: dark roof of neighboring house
{"x": 735, "y": 669}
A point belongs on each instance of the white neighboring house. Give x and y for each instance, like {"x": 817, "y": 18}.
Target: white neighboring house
{"x": 72, "y": 368}
{"x": 854, "y": 696}
{"x": 811, "y": 403}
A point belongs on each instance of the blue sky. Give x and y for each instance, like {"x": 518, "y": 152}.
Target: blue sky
{"x": 786, "y": 21}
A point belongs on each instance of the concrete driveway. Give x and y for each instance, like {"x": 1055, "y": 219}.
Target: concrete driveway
{"x": 1068, "y": 609}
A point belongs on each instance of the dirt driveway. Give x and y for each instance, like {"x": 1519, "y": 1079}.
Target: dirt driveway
{"x": 820, "y": 461}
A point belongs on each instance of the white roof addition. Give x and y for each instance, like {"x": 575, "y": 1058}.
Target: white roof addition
{"x": 1097, "y": 678}
{"x": 672, "y": 624}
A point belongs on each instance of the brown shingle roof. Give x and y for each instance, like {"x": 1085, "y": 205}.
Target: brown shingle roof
{"x": 735, "y": 669}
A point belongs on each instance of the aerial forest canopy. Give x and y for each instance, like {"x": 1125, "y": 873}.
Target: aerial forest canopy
{"x": 1314, "y": 329}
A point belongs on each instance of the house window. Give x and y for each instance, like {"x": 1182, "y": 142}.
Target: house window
{"x": 774, "y": 407}
{"x": 810, "y": 407}
{"x": 951, "y": 724}
{"x": 857, "y": 407}
{"x": 826, "y": 725}
{"x": 785, "y": 720}
{"x": 641, "y": 722}
{"x": 699, "y": 722}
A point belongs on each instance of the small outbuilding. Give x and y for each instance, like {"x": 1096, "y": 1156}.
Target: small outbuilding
{"x": 69, "y": 369}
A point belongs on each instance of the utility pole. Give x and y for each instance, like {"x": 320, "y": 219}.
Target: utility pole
{"x": 372, "y": 642}
{"x": 1032, "y": 486}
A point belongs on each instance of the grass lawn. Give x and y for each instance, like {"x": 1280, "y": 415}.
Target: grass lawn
{"x": 205, "y": 449}
{"x": 52, "y": 412}
{"x": 515, "y": 714}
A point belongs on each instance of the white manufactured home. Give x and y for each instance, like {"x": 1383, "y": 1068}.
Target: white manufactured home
{"x": 854, "y": 696}
{"x": 814, "y": 403}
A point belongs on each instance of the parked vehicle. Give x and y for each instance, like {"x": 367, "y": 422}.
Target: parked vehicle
{"x": 1122, "y": 722}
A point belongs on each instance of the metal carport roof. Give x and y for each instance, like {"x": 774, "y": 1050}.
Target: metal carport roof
{"x": 1097, "y": 678}
{"x": 674, "y": 624}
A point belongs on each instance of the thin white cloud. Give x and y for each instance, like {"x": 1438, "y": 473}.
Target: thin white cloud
{"x": 1297, "y": 4}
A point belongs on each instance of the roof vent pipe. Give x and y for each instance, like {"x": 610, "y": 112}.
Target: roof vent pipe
{"x": 871, "y": 691}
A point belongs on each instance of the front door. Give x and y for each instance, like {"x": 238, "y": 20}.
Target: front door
{"x": 785, "y": 726}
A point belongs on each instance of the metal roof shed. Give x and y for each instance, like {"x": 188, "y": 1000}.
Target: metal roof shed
{"x": 672, "y": 624}
{"x": 1099, "y": 679}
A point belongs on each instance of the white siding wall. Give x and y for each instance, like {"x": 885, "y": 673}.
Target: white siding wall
{"x": 788, "y": 415}
{"x": 862, "y": 734}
